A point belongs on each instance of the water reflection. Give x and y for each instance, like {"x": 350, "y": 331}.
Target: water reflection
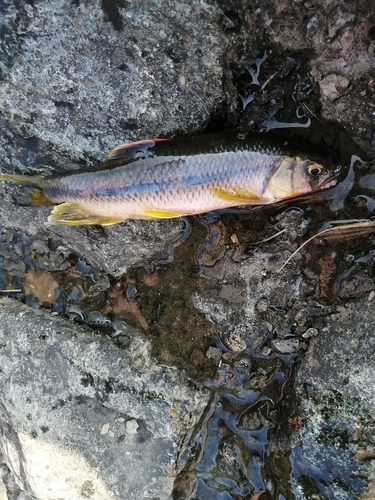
{"x": 229, "y": 451}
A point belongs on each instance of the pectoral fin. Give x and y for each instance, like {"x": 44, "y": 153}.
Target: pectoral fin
{"x": 237, "y": 196}
{"x": 73, "y": 214}
{"x": 159, "y": 214}
{"x": 129, "y": 150}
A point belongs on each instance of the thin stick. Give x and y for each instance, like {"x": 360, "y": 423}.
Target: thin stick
{"x": 268, "y": 81}
{"x": 269, "y": 238}
{"x": 16, "y": 290}
{"x": 350, "y": 230}
{"x": 310, "y": 111}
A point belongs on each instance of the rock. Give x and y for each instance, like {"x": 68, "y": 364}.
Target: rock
{"x": 337, "y": 400}
{"x": 286, "y": 346}
{"x": 102, "y": 248}
{"x": 42, "y": 286}
{"x": 338, "y": 356}
{"x": 257, "y": 304}
{"x": 333, "y": 86}
{"x": 106, "y": 75}
{"x": 83, "y": 418}
{"x": 310, "y": 332}
{"x": 214, "y": 353}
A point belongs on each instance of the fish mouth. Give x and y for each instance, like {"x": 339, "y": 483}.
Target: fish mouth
{"x": 332, "y": 179}
{"x": 327, "y": 183}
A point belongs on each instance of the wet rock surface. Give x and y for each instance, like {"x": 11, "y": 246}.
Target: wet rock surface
{"x": 333, "y": 454}
{"x": 186, "y": 365}
{"x": 82, "y": 417}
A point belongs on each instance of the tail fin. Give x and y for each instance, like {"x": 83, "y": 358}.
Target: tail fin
{"x": 33, "y": 196}
{"x": 29, "y": 180}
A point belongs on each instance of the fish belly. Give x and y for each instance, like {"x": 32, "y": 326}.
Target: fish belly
{"x": 164, "y": 205}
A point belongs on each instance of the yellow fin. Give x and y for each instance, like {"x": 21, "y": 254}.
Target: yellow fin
{"x": 39, "y": 198}
{"x": 30, "y": 180}
{"x": 159, "y": 214}
{"x": 237, "y": 195}
{"x": 32, "y": 192}
{"x": 73, "y": 214}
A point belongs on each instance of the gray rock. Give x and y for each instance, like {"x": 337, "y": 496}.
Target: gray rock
{"x": 286, "y": 346}
{"x": 338, "y": 358}
{"x": 336, "y": 391}
{"x": 310, "y": 332}
{"x": 84, "y": 418}
{"x": 333, "y": 86}
{"x": 104, "y": 75}
{"x": 114, "y": 249}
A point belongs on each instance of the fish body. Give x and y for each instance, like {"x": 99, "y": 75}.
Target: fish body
{"x": 172, "y": 178}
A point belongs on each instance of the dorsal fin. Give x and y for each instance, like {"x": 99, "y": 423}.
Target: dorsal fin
{"x": 130, "y": 149}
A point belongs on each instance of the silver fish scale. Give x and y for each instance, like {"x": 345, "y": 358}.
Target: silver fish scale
{"x": 177, "y": 184}
{"x": 228, "y": 169}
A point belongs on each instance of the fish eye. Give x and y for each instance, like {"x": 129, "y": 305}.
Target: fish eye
{"x": 315, "y": 169}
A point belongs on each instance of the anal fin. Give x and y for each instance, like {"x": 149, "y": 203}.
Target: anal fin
{"x": 73, "y": 214}
{"x": 237, "y": 195}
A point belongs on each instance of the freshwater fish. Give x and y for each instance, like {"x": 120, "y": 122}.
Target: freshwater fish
{"x": 166, "y": 178}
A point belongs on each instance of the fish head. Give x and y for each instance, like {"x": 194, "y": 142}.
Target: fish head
{"x": 296, "y": 175}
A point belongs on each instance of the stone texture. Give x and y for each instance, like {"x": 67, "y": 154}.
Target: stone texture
{"x": 135, "y": 69}
{"x": 338, "y": 357}
{"x": 336, "y": 397}
{"x": 113, "y": 249}
{"x": 83, "y": 418}
{"x": 333, "y": 86}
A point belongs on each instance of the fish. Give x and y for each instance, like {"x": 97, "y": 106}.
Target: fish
{"x": 167, "y": 178}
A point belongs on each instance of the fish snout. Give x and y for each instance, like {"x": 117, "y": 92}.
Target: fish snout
{"x": 332, "y": 179}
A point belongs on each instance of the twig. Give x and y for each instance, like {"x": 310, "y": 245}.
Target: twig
{"x": 269, "y": 238}
{"x": 268, "y": 81}
{"x": 346, "y": 230}
{"x": 310, "y": 111}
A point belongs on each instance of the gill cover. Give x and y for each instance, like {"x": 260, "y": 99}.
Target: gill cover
{"x": 295, "y": 176}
